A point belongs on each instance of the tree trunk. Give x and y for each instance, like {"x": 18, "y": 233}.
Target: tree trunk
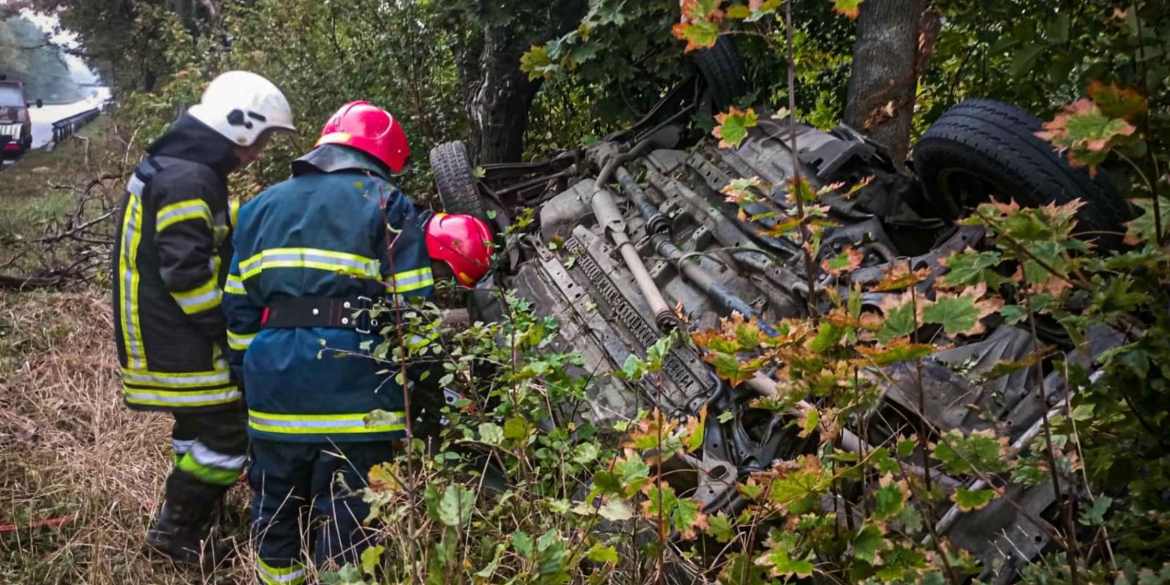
{"x": 498, "y": 97}
{"x": 487, "y": 53}
{"x": 884, "y": 76}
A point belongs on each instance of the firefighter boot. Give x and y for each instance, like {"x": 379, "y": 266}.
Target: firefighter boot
{"x": 186, "y": 538}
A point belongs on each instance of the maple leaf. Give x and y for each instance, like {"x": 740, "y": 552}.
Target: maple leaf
{"x": 868, "y": 544}
{"x": 1116, "y": 102}
{"x": 969, "y": 500}
{"x": 961, "y": 314}
{"x": 780, "y": 564}
{"x": 647, "y": 432}
{"x": 968, "y": 268}
{"x": 847, "y": 261}
{"x": 1086, "y": 133}
{"x": 681, "y": 514}
{"x": 900, "y": 317}
{"x": 740, "y": 190}
{"x": 898, "y": 276}
{"x": 699, "y": 10}
{"x": 745, "y": 332}
{"x": 981, "y": 450}
{"x": 857, "y": 187}
{"x": 1142, "y": 229}
{"x": 692, "y": 432}
{"x": 808, "y": 420}
{"x": 847, "y": 8}
{"x": 729, "y": 367}
{"x": 901, "y": 350}
{"x": 890, "y": 497}
{"x": 804, "y": 189}
{"x": 537, "y": 63}
{"x": 733, "y": 126}
{"x": 698, "y": 35}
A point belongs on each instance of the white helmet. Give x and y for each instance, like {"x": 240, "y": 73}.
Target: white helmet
{"x": 240, "y": 106}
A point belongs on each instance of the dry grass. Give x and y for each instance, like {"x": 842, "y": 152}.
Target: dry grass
{"x": 70, "y": 449}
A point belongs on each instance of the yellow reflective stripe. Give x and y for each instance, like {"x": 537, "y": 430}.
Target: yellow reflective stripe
{"x": 200, "y": 299}
{"x": 182, "y": 211}
{"x": 291, "y": 575}
{"x": 182, "y": 398}
{"x": 309, "y": 258}
{"x": 208, "y": 474}
{"x": 318, "y": 424}
{"x": 234, "y": 210}
{"x": 240, "y": 341}
{"x": 128, "y": 293}
{"x": 234, "y": 286}
{"x": 411, "y": 280}
{"x": 218, "y": 377}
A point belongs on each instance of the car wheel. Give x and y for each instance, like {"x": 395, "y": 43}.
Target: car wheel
{"x": 455, "y": 180}
{"x": 724, "y": 71}
{"x": 981, "y": 149}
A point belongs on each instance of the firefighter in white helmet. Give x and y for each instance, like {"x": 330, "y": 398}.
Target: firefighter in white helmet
{"x": 173, "y": 250}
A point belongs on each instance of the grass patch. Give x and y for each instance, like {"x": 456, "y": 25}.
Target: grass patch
{"x": 73, "y": 455}
{"x": 41, "y": 193}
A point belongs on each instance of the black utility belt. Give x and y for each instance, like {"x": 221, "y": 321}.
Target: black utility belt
{"x": 324, "y": 312}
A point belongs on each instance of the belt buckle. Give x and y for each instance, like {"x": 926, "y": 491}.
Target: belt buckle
{"x": 366, "y": 304}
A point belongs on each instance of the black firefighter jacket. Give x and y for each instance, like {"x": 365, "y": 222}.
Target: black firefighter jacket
{"x": 173, "y": 247}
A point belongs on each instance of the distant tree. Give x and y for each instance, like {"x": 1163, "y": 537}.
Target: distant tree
{"x": 26, "y": 55}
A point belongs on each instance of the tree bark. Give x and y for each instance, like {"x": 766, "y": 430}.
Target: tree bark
{"x": 487, "y": 55}
{"x": 498, "y": 97}
{"x": 884, "y": 77}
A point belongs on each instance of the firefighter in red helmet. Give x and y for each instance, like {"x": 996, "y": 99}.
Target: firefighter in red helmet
{"x": 310, "y": 254}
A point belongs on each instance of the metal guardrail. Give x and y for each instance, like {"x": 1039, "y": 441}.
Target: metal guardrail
{"x": 63, "y": 129}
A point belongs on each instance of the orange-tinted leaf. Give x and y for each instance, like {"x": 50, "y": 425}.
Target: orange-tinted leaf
{"x": 857, "y": 187}
{"x": 898, "y": 276}
{"x": 697, "y": 10}
{"x": 848, "y": 8}
{"x": 692, "y": 431}
{"x": 698, "y": 35}
{"x": 847, "y": 261}
{"x": 900, "y": 350}
{"x": 742, "y": 190}
{"x": 1116, "y": 102}
{"x": 808, "y": 420}
{"x": 733, "y": 125}
{"x": 781, "y": 228}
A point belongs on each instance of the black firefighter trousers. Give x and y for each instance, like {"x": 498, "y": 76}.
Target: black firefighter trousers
{"x": 210, "y": 452}
{"x": 306, "y": 505}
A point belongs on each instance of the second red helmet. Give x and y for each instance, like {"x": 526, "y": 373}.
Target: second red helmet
{"x": 462, "y": 242}
{"x": 370, "y": 129}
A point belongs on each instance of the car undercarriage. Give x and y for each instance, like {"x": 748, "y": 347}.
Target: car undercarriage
{"x": 635, "y": 237}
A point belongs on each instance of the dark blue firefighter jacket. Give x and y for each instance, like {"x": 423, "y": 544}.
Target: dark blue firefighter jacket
{"x": 322, "y": 233}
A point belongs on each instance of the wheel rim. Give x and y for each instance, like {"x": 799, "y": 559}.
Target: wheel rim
{"x": 963, "y": 190}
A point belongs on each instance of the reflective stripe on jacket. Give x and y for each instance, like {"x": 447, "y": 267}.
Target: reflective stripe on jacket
{"x": 169, "y": 266}
{"x": 321, "y": 234}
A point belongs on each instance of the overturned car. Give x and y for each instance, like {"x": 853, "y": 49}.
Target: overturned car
{"x": 634, "y": 238}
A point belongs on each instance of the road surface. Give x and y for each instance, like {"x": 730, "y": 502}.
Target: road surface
{"x": 43, "y": 118}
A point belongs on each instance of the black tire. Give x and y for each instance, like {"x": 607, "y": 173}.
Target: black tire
{"x": 455, "y": 180}
{"x": 983, "y": 148}
{"x": 724, "y": 71}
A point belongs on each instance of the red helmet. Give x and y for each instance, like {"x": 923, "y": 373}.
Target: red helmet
{"x": 370, "y": 129}
{"x": 463, "y": 242}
